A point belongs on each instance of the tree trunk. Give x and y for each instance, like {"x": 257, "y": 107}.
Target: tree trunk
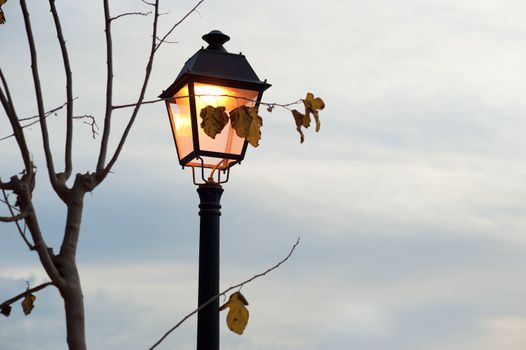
{"x": 71, "y": 290}
{"x": 74, "y": 306}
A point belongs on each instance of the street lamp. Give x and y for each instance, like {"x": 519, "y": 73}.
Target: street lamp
{"x": 212, "y": 76}
{"x": 217, "y": 78}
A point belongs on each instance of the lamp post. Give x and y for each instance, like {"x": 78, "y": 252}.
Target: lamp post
{"x": 211, "y": 77}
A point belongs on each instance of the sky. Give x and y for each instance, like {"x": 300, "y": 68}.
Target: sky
{"x": 408, "y": 202}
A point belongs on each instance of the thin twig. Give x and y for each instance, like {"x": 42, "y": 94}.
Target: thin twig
{"x": 167, "y": 41}
{"x": 6, "y": 201}
{"x": 35, "y": 119}
{"x": 20, "y": 231}
{"x": 131, "y": 14}
{"x": 135, "y": 104}
{"x": 92, "y": 123}
{"x": 268, "y": 104}
{"x": 47, "y": 113}
{"x": 239, "y": 285}
{"x": 23, "y": 294}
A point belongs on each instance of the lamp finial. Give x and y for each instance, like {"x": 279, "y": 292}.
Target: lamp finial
{"x": 215, "y": 40}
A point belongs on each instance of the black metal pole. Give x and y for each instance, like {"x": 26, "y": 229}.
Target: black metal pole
{"x": 208, "y": 317}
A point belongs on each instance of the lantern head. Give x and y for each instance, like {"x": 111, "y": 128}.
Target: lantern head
{"x": 217, "y": 78}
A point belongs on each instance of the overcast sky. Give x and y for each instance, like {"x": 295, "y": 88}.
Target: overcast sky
{"x": 409, "y": 202}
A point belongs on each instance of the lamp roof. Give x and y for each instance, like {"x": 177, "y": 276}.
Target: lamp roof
{"x": 216, "y": 62}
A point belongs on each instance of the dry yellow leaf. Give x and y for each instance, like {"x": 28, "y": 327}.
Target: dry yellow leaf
{"x": 6, "y": 310}
{"x": 241, "y": 119}
{"x": 247, "y": 123}
{"x": 313, "y": 105}
{"x": 237, "y": 317}
{"x": 213, "y": 120}
{"x": 299, "y": 118}
{"x": 254, "y": 132}
{"x": 2, "y": 16}
{"x": 27, "y": 303}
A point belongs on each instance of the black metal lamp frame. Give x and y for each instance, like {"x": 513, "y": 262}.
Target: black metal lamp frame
{"x": 197, "y": 152}
{"x": 213, "y": 65}
{"x": 210, "y": 178}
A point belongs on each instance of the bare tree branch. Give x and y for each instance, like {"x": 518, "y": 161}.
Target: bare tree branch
{"x": 109, "y": 89}
{"x": 239, "y": 285}
{"x": 22, "y": 190}
{"x": 131, "y": 14}
{"x": 101, "y": 170}
{"x": 109, "y": 80}
{"x": 6, "y": 200}
{"x": 92, "y": 123}
{"x": 20, "y": 231}
{"x": 6, "y": 186}
{"x": 148, "y": 3}
{"x": 135, "y": 104}
{"x": 69, "y": 95}
{"x": 59, "y": 187}
{"x": 14, "y": 218}
{"x": 23, "y": 294}
{"x": 167, "y": 41}
{"x": 7, "y": 103}
{"x": 47, "y": 114}
{"x": 104, "y": 172}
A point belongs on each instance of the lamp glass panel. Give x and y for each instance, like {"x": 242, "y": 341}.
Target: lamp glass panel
{"x": 180, "y": 117}
{"x": 227, "y": 141}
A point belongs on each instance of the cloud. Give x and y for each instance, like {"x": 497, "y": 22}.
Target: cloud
{"x": 505, "y": 332}
{"x": 408, "y": 201}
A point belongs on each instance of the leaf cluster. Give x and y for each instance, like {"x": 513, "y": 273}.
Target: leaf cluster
{"x": 247, "y": 123}
{"x": 27, "y": 305}
{"x": 244, "y": 120}
{"x": 312, "y": 106}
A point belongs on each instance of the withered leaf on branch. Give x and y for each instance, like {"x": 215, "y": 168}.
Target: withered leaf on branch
{"x": 237, "y": 317}
{"x": 247, "y": 123}
{"x": 241, "y": 119}
{"x": 2, "y": 16}
{"x": 27, "y": 303}
{"x": 254, "y": 132}
{"x": 299, "y": 118}
{"x": 313, "y": 105}
{"x": 214, "y": 120}
{"x": 6, "y": 310}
